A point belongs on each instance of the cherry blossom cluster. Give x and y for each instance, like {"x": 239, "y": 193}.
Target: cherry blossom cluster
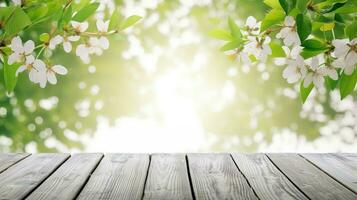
{"x": 255, "y": 44}
{"x": 343, "y": 53}
{"x": 41, "y": 71}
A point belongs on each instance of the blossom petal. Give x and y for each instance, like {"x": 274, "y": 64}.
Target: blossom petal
{"x": 67, "y": 46}
{"x": 51, "y": 77}
{"x": 295, "y": 51}
{"x": 74, "y": 38}
{"x": 332, "y": 73}
{"x": 55, "y": 41}
{"x": 29, "y": 59}
{"x": 59, "y": 69}
{"x": 341, "y": 47}
{"x": 251, "y": 22}
{"x": 289, "y": 21}
{"x": 318, "y": 81}
{"x": 20, "y": 69}
{"x": 14, "y": 57}
{"x": 349, "y": 70}
{"x": 29, "y": 46}
{"x": 104, "y": 42}
{"x": 39, "y": 65}
{"x": 307, "y": 80}
{"x": 16, "y": 45}
{"x": 83, "y": 26}
{"x": 351, "y": 58}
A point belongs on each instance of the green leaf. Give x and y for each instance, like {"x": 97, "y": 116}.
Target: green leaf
{"x": 347, "y": 84}
{"x": 313, "y": 44}
{"x": 231, "y": 45}
{"x": 272, "y": 18}
{"x": 308, "y": 53}
{"x": 351, "y": 30}
{"x": 332, "y": 84}
{"x": 302, "y": 5}
{"x": 10, "y": 75}
{"x": 273, "y": 4}
{"x": 6, "y": 50}
{"x": 287, "y": 5}
{"x": 129, "y": 21}
{"x": 44, "y": 37}
{"x": 305, "y": 91}
{"x": 37, "y": 12}
{"x": 114, "y": 20}
{"x": 5, "y": 12}
{"x": 66, "y": 16}
{"x": 85, "y": 12}
{"x": 234, "y": 29}
{"x": 303, "y": 26}
{"x": 221, "y": 34}
{"x": 16, "y": 22}
{"x": 277, "y": 50}
{"x": 348, "y": 8}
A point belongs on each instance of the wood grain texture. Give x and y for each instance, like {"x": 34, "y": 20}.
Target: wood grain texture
{"x": 266, "y": 180}
{"x": 20, "y": 179}
{"x": 340, "y": 166}
{"x": 168, "y": 178}
{"x": 8, "y": 159}
{"x": 68, "y": 179}
{"x": 118, "y": 176}
{"x": 312, "y": 181}
{"x": 215, "y": 176}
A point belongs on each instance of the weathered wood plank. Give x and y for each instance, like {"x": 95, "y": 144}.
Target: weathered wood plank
{"x": 266, "y": 180}
{"x": 8, "y": 159}
{"x": 168, "y": 178}
{"x": 340, "y": 166}
{"x": 68, "y": 179}
{"x": 312, "y": 181}
{"x": 20, "y": 179}
{"x": 215, "y": 176}
{"x": 118, "y": 176}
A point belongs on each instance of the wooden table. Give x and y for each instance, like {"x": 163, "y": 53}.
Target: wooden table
{"x": 178, "y": 176}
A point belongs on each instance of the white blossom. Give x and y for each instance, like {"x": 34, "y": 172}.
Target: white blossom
{"x": 79, "y": 27}
{"x": 36, "y": 68}
{"x": 252, "y": 26}
{"x": 296, "y": 67}
{"x": 346, "y": 54}
{"x": 55, "y": 41}
{"x": 331, "y": 71}
{"x": 83, "y": 51}
{"x": 288, "y": 33}
{"x": 67, "y": 46}
{"x": 259, "y": 47}
{"x": 239, "y": 56}
{"x": 20, "y": 51}
{"x": 17, "y": 2}
{"x": 316, "y": 73}
{"x": 97, "y": 45}
{"x": 52, "y": 71}
{"x": 290, "y": 55}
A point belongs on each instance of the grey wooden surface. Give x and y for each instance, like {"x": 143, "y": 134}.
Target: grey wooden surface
{"x": 215, "y": 176}
{"x": 67, "y": 181}
{"x": 118, "y": 176}
{"x": 178, "y": 176}
{"x": 342, "y": 167}
{"x": 266, "y": 180}
{"x": 312, "y": 181}
{"x": 168, "y": 178}
{"x": 8, "y": 159}
{"x": 20, "y": 179}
